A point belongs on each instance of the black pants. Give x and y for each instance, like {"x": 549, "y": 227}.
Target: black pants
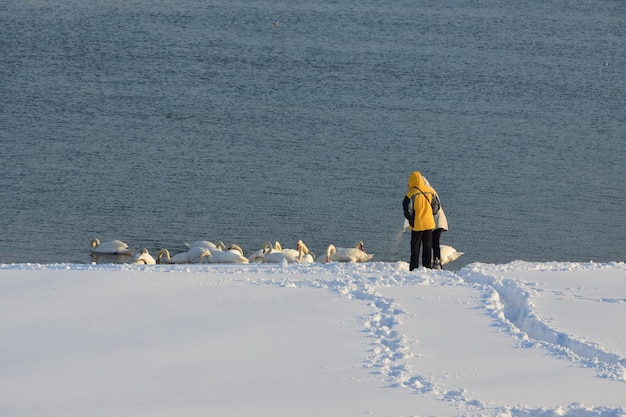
{"x": 423, "y": 239}
{"x": 436, "y": 247}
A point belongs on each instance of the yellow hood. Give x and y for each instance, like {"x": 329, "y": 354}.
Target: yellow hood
{"x": 415, "y": 180}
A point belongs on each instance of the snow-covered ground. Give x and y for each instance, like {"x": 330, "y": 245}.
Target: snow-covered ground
{"x": 521, "y": 339}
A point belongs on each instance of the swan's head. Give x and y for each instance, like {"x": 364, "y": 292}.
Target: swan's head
{"x": 360, "y": 246}
{"x": 236, "y": 247}
{"x": 95, "y": 242}
{"x": 331, "y": 249}
{"x": 301, "y": 246}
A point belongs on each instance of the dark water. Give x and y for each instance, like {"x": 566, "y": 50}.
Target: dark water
{"x": 159, "y": 122}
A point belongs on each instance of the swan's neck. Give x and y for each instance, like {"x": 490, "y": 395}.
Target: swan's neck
{"x": 331, "y": 249}
{"x": 205, "y": 254}
{"x": 164, "y": 252}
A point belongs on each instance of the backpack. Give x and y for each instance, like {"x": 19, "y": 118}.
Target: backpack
{"x": 434, "y": 203}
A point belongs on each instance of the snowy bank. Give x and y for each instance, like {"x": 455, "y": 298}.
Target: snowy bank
{"x": 521, "y": 339}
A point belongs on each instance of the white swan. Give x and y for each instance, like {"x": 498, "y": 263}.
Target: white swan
{"x": 268, "y": 249}
{"x": 307, "y": 257}
{"x": 449, "y": 254}
{"x": 232, "y": 256}
{"x": 197, "y": 254}
{"x": 259, "y": 254}
{"x": 288, "y": 255}
{"x": 236, "y": 248}
{"x": 294, "y": 253}
{"x": 144, "y": 258}
{"x": 273, "y": 254}
{"x": 163, "y": 257}
{"x": 356, "y": 254}
{"x": 206, "y": 244}
{"x": 114, "y": 247}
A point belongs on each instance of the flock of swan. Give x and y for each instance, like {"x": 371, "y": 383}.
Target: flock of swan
{"x": 204, "y": 251}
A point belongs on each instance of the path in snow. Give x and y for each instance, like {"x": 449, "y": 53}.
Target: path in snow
{"x": 506, "y": 308}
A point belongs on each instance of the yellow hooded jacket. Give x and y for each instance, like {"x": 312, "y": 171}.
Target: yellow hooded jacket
{"x": 420, "y": 216}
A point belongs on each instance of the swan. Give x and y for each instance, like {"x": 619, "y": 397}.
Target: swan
{"x": 356, "y": 254}
{"x": 114, "y": 247}
{"x": 259, "y": 254}
{"x": 233, "y": 256}
{"x": 164, "y": 257}
{"x": 235, "y": 247}
{"x": 291, "y": 252}
{"x": 295, "y": 253}
{"x": 144, "y": 258}
{"x": 268, "y": 250}
{"x": 196, "y": 254}
{"x": 288, "y": 255}
{"x": 206, "y": 244}
{"x": 449, "y": 254}
{"x": 308, "y": 256}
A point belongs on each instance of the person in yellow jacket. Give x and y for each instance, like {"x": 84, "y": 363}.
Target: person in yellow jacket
{"x": 419, "y": 203}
